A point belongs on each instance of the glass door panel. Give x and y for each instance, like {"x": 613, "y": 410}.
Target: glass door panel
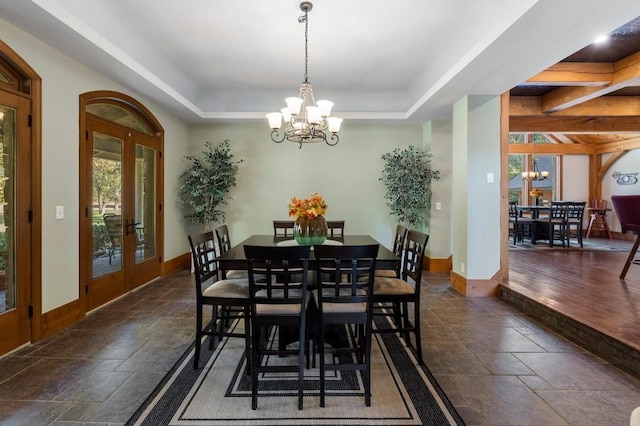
{"x": 7, "y": 208}
{"x": 107, "y": 204}
{"x": 145, "y": 202}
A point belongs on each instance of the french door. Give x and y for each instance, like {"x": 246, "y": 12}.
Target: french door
{"x": 119, "y": 224}
{"x": 15, "y": 223}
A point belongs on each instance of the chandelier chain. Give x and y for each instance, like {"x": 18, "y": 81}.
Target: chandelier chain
{"x": 305, "y": 18}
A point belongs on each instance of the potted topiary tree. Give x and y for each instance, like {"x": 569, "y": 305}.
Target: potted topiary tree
{"x": 407, "y": 175}
{"x": 205, "y": 186}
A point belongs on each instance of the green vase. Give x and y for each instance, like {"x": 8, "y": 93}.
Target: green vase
{"x": 310, "y": 230}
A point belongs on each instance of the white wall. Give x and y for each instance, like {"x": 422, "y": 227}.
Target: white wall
{"x": 63, "y": 80}
{"x": 476, "y": 202}
{"x": 575, "y": 178}
{"x": 346, "y": 175}
{"x": 628, "y": 163}
{"x": 437, "y": 135}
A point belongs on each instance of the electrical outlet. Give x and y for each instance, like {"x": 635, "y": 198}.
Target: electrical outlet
{"x": 438, "y": 205}
{"x": 59, "y": 212}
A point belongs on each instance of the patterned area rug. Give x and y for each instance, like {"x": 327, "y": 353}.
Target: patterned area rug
{"x": 403, "y": 393}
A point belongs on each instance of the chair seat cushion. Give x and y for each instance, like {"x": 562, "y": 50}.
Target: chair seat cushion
{"x": 391, "y": 287}
{"x": 338, "y": 308}
{"x": 238, "y": 289}
{"x": 387, "y": 273}
{"x": 281, "y": 308}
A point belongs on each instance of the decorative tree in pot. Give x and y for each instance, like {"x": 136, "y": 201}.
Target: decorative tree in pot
{"x": 205, "y": 186}
{"x": 407, "y": 176}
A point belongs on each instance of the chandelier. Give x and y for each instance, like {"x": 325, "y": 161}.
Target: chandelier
{"x": 305, "y": 121}
{"x": 535, "y": 174}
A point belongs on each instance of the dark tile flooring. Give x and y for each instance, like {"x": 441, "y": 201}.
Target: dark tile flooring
{"x": 498, "y": 366}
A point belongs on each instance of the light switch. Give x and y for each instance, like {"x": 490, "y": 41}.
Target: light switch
{"x": 438, "y": 205}
{"x": 490, "y": 178}
{"x": 59, "y": 212}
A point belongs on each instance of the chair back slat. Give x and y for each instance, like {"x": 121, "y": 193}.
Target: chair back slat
{"x": 224, "y": 241}
{"x": 345, "y": 273}
{"x": 414, "y": 256}
{"x": 205, "y": 263}
{"x": 285, "y": 268}
{"x": 283, "y": 230}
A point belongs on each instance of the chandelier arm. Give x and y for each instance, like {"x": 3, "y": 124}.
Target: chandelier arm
{"x": 334, "y": 137}
{"x": 275, "y": 136}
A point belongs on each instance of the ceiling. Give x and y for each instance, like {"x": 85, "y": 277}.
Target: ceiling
{"x": 400, "y": 61}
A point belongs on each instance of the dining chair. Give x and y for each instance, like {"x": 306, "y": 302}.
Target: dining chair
{"x": 575, "y": 213}
{"x": 283, "y": 230}
{"x": 224, "y": 245}
{"x": 228, "y": 298}
{"x": 398, "y": 293}
{"x": 335, "y": 230}
{"x": 344, "y": 280}
{"x": 277, "y": 304}
{"x": 628, "y": 210}
{"x": 519, "y": 225}
{"x": 398, "y": 247}
{"x": 555, "y": 223}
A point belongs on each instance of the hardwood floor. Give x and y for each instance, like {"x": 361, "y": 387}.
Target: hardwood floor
{"x": 583, "y": 286}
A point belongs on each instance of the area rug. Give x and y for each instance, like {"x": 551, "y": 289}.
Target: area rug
{"x": 403, "y": 393}
{"x": 575, "y": 246}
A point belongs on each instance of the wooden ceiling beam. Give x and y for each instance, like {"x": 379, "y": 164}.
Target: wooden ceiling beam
{"x": 626, "y": 72}
{"x": 605, "y": 105}
{"x": 574, "y": 74}
{"x": 618, "y": 146}
{"x": 577, "y": 124}
{"x": 550, "y": 149}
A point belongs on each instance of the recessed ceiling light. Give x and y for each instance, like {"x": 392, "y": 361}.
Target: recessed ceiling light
{"x": 601, "y": 38}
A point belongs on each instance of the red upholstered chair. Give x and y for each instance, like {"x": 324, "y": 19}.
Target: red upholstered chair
{"x": 628, "y": 210}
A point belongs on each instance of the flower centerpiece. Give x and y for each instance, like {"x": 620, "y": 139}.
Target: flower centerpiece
{"x": 536, "y": 193}
{"x": 310, "y": 226}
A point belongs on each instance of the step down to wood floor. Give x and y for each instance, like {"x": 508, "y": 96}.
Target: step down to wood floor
{"x": 612, "y": 350}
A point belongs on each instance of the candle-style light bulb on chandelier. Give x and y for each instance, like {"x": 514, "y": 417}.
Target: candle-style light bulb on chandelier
{"x": 535, "y": 174}
{"x": 305, "y": 121}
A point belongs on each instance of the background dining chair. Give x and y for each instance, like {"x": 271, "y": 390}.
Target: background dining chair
{"x": 398, "y": 293}
{"x": 575, "y": 213}
{"x": 281, "y": 303}
{"x": 398, "y": 247}
{"x": 335, "y": 230}
{"x": 283, "y": 230}
{"x": 344, "y": 277}
{"x": 229, "y": 299}
{"x": 224, "y": 245}
{"x": 628, "y": 210}
{"x": 555, "y": 223}
{"x": 519, "y": 225}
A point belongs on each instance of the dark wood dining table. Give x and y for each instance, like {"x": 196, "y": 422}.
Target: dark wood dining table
{"x": 235, "y": 258}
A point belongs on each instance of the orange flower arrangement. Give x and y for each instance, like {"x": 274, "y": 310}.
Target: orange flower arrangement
{"x": 537, "y": 192}
{"x": 307, "y": 207}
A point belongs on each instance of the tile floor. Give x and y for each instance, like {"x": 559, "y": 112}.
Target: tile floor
{"x": 496, "y": 365}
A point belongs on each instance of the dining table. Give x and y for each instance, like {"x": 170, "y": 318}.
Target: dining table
{"x": 534, "y": 210}
{"x": 235, "y": 259}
